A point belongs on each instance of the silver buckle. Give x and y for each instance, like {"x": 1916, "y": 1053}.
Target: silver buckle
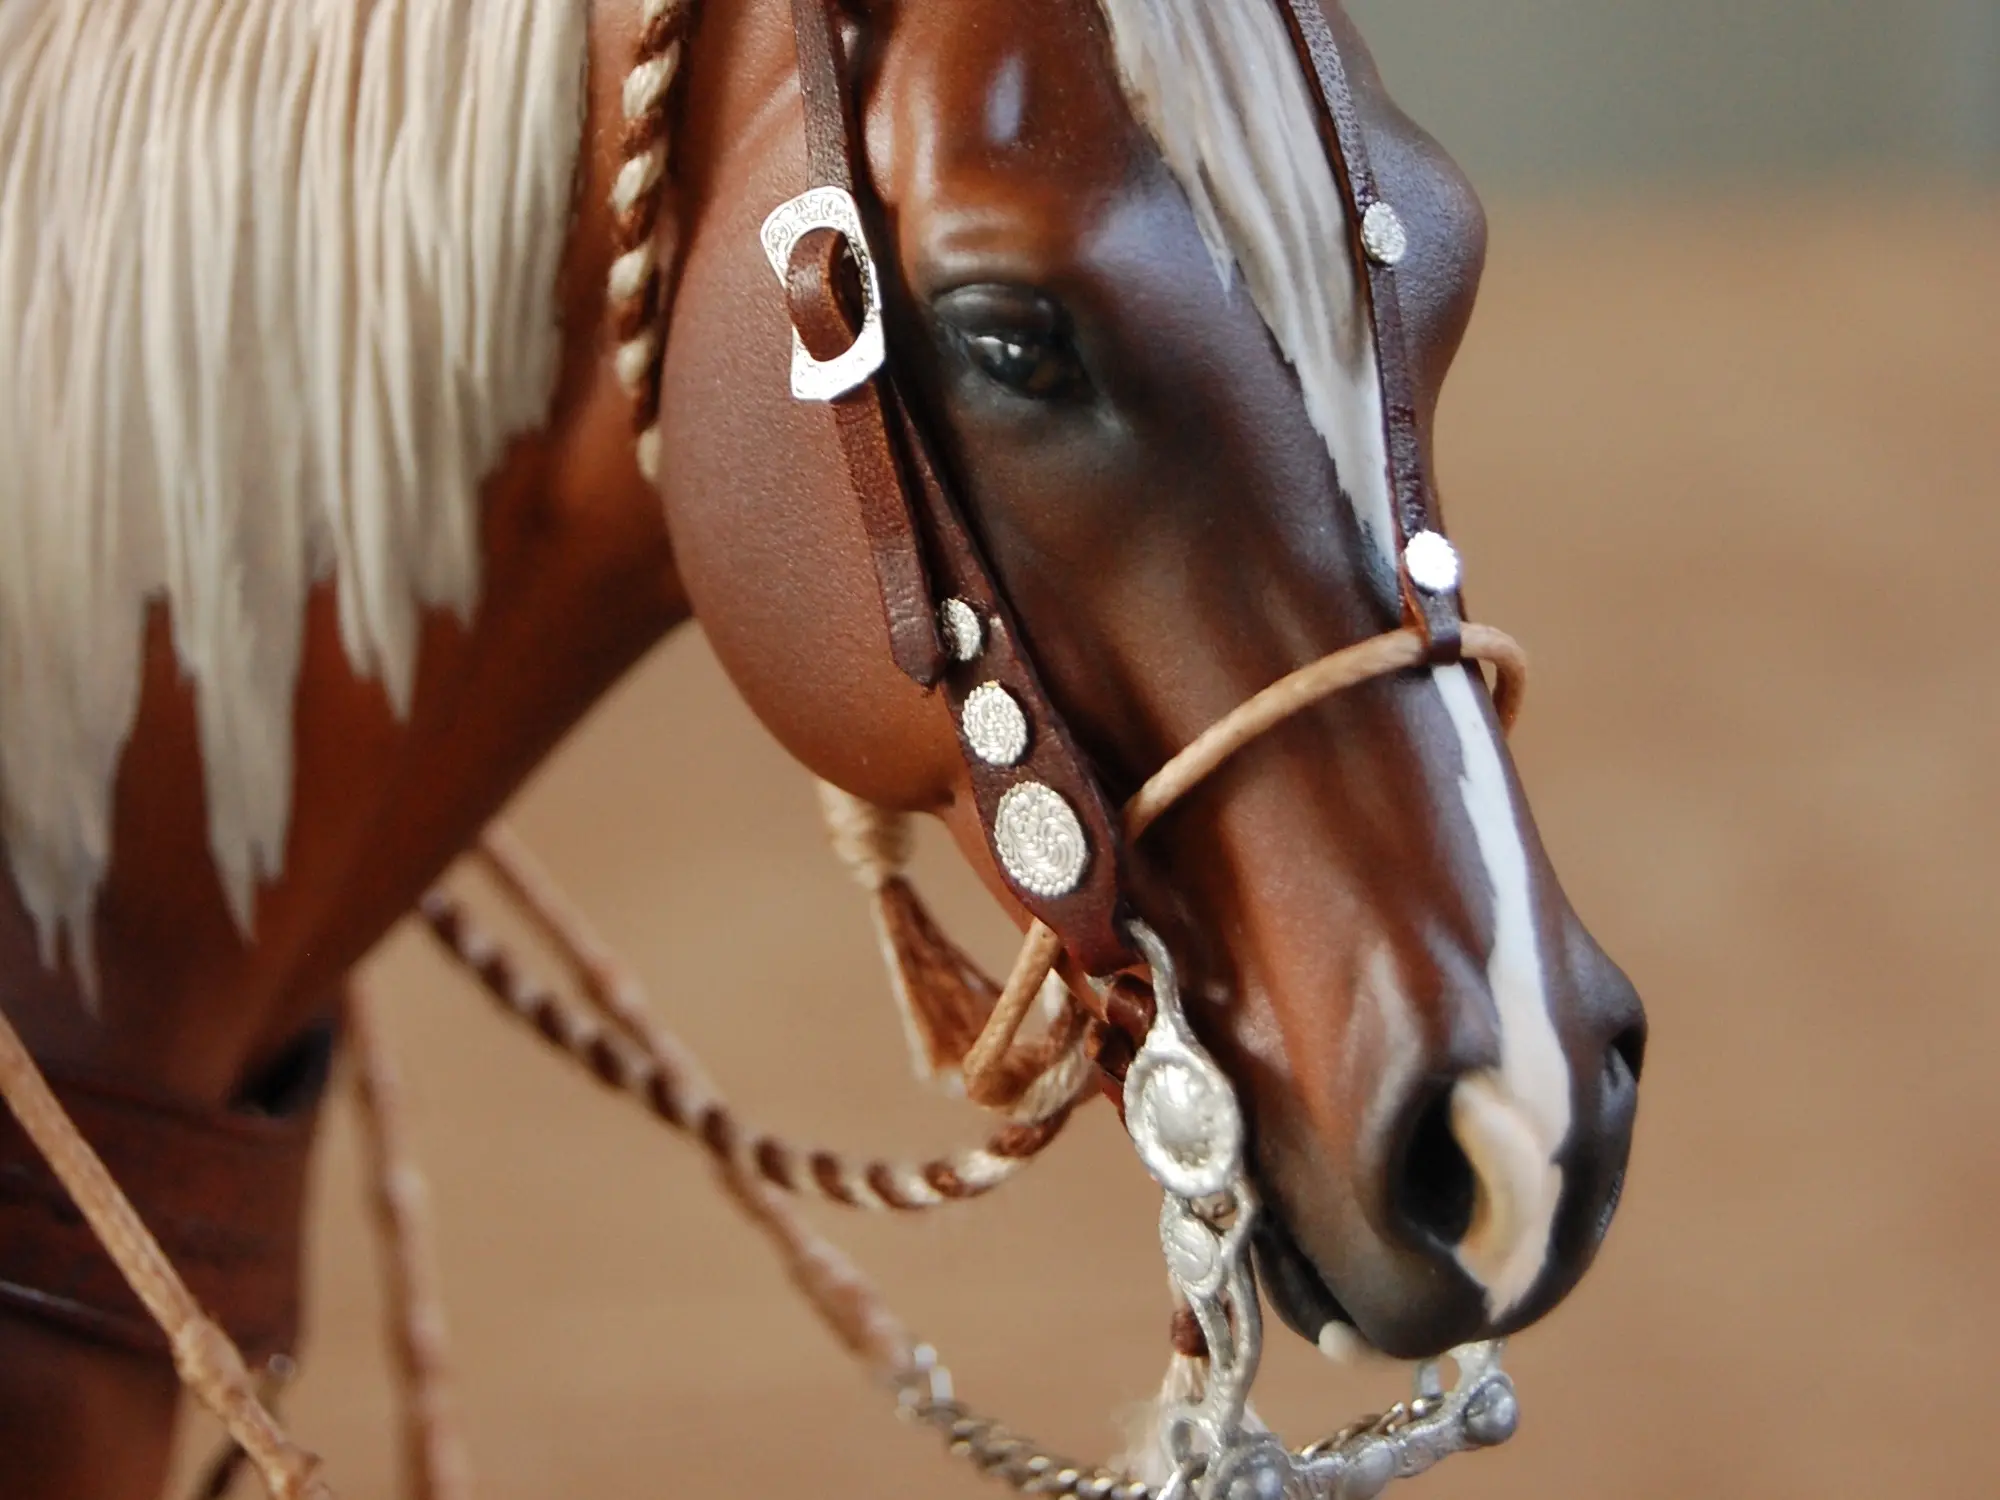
{"x": 828, "y": 208}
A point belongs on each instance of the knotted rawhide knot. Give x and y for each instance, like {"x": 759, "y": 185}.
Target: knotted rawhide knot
{"x": 638, "y": 193}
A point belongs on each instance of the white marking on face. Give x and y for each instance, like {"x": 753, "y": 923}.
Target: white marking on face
{"x": 1512, "y": 1121}
{"x": 1519, "y": 1188}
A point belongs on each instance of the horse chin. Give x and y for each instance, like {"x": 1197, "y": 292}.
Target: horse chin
{"x": 1299, "y": 1294}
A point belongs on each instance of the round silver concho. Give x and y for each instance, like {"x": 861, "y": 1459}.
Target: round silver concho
{"x": 1433, "y": 563}
{"x": 964, "y": 636}
{"x": 1039, "y": 840}
{"x": 994, "y": 725}
{"x": 1184, "y": 1123}
{"x": 1383, "y": 235}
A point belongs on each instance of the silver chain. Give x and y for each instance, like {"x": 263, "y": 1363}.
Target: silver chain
{"x": 924, "y": 1395}
{"x": 1355, "y": 1463}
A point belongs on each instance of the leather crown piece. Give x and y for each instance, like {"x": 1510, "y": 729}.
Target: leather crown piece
{"x": 1045, "y": 813}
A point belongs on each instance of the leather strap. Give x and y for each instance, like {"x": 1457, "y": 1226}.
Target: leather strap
{"x": 1414, "y": 495}
{"x": 223, "y": 1192}
{"x": 923, "y": 550}
{"x": 1087, "y": 920}
{"x": 907, "y": 601}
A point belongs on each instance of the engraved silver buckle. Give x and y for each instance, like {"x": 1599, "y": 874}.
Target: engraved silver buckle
{"x": 828, "y": 208}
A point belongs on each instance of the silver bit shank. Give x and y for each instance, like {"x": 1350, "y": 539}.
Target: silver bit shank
{"x": 1188, "y": 1129}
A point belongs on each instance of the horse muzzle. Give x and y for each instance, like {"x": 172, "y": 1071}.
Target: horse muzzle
{"x": 1469, "y": 1224}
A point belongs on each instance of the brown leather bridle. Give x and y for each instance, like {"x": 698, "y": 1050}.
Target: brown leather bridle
{"x": 929, "y": 565}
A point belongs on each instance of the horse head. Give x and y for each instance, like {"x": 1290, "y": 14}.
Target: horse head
{"x": 1123, "y": 299}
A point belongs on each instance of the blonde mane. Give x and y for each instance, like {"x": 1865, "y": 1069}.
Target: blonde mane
{"x": 1218, "y": 86}
{"x": 277, "y": 284}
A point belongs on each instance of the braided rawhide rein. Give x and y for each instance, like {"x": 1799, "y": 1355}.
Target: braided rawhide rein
{"x": 635, "y": 1056}
{"x": 622, "y": 1044}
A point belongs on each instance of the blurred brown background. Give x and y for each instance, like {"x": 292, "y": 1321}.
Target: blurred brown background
{"x": 1726, "y": 457}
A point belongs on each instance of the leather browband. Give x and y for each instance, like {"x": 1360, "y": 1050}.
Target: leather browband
{"x": 223, "y": 1192}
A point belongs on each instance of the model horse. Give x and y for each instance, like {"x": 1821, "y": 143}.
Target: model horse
{"x": 384, "y": 380}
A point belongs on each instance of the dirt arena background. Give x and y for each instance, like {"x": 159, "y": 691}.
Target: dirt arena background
{"x": 1732, "y": 471}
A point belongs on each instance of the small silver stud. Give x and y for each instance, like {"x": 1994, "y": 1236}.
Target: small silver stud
{"x": 1383, "y": 235}
{"x": 1433, "y": 563}
{"x": 994, "y": 725}
{"x": 1039, "y": 840}
{"x": 964, "y": 636}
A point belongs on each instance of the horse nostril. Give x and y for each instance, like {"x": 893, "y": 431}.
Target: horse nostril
{"x": 1433, "y": 1192}
{"x": 1627, "y": 1053}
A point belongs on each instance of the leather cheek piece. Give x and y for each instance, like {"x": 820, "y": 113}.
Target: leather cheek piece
{"x": 826, "y": 322}
{"x": 223, "y": 1192}
{"x": 922, "y": 549}
{"x": 1414, "y": 501}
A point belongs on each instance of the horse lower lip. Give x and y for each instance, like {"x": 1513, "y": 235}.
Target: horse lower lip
{"x": 1293, "y": 1285}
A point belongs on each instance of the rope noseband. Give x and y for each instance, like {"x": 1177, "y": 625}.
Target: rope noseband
{"x": 1380, "y": 656}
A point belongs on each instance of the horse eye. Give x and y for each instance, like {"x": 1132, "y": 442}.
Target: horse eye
{"x": 1014, "y": 337}
{"x": 1030, "y": 365}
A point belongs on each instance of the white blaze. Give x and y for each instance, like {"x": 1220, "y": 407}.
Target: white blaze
{"x": 1510, "y": 1121}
